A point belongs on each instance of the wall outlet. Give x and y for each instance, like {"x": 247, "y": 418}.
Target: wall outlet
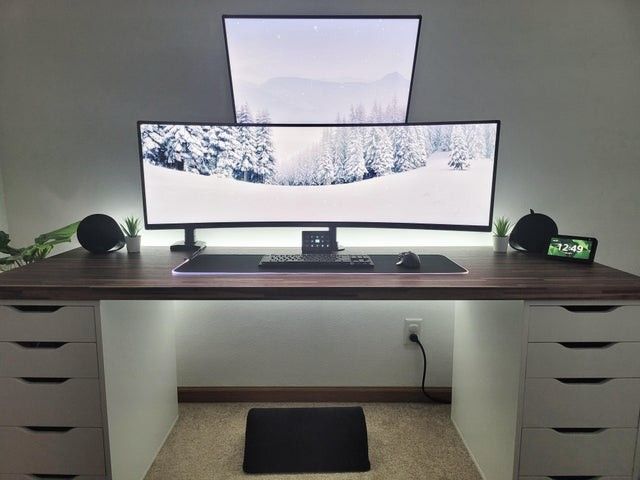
{"x": 412, "y": 325}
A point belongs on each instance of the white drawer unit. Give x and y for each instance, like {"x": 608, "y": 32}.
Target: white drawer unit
{"x": 580, "y": 393}
{"x": 47, "y": 323}
{"x": 557, "y": 403}
{"x": 548, "y": 452}
{"x": 79, "y": 451}
{"x": 584, "y": 323}
{"x": 67, "y": 360}
{"x": 583, "y": 359}
{"x": 72, "y": 402}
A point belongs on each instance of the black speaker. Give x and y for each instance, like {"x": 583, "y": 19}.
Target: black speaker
{"x": 100, "y": 233}
{"x": 532, "y": 233}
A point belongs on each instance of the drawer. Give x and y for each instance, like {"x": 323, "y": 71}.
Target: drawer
{"x": 552, "y": 403}
{"x": 79, "y": 451}
{"x": 66, "y": 360}
{"x": 574, "y": 324}
{"x": 47, "y": 324}
{"x": 547, "y": 452}
{"x": 590, "y": 477}
{"x": 580, "y": 360}
{"x": 73, "y": 402}
{"x": 26, "y": 476}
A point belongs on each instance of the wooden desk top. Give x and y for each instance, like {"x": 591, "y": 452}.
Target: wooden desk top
{"x": 78, "y": 275}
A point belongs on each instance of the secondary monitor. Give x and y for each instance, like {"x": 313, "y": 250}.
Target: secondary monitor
{"x": 427, "y": 175}
{"x": 320, "y": 69}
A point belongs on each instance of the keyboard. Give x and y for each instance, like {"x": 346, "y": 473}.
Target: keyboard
{"x": 317, "y": 260}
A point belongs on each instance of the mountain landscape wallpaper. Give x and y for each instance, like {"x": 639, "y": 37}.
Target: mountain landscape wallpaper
{"x": 322, "y": 70}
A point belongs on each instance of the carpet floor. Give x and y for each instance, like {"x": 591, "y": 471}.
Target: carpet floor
{"x": 406, "y": 441}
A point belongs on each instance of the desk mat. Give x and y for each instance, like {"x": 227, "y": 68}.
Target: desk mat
{"x": 210, "y": 264}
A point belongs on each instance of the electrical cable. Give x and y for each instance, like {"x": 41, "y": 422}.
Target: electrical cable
{"x": 414, "y": 338}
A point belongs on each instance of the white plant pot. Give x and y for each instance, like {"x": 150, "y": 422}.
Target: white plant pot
{"x": 133, "y": 244}
{"x": 500, "y": 244}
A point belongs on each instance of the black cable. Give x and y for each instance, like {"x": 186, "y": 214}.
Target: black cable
{"x": 414, "y": 338}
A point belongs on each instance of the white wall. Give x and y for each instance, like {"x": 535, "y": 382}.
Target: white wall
{"x": 563, "y": 75}
{"x": 310, "y": 343}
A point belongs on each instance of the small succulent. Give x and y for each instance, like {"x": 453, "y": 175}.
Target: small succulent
{"x": 131, "y": 226}
{"x": 501, "y": 227}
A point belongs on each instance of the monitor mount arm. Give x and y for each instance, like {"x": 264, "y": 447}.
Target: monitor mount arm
{"x": 189, "y": 244}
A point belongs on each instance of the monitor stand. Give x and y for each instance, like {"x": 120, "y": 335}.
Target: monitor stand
{"x": 333, "y": 234}
{"x": 189, "y": 244}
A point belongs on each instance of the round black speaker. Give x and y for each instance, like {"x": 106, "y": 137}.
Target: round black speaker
{"x": 100, "y": 233}
{"x": 532, "y": 233}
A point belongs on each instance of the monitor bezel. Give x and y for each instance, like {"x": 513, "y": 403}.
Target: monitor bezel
{"x": 306, "y": 223}
{"x": 329, "y": 17}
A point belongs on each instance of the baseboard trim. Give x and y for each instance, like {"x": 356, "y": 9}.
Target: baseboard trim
{"x": 310, "y": 394}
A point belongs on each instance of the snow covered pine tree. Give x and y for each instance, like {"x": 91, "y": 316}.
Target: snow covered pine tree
{"x": 354, "y": 165}
{"x": 246, "y": 167}
{"x": 265, "y": 164}
{"x": 154, "y": 144}
{"x": 229, "y": 152}
{"x": 184, "y": 148}
{"x": 461, "y": 154}
{"x": 378, "y": 153}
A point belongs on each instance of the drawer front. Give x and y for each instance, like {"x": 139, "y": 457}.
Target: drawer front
{"x": 79, "y": 451}
{"x": 71, "y": 403}
{"x": 557, "y": 324}
{"x": 583, "y": 360}
{"x": 68, "y": 360}
{"x": 26, "y": 476}
{"x": 546, "y": 452}
{"x": 592, "y": 477}
{"x": 64, "y": 324}
{"x": 551, "y": 403}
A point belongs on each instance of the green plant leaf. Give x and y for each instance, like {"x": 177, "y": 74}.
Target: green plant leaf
{"x": 131, "y": 226}
{"x": 42, "y": 246}
{"x": 501, "y": 227}
{"x": 4, "y": 239}
{"x": 4, "y": 245}
{"x": 36, "y": 252}
{"x": 10, "y": 260}
{"x": 60, "y": 235}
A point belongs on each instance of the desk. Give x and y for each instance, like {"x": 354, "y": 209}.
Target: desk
{"x": 546, "y": 380}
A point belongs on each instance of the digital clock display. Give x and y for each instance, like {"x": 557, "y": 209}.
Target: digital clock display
{"x": 572, "y": 248}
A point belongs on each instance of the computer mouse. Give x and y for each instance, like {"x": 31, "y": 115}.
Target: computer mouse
{"x": 408, "y": 260}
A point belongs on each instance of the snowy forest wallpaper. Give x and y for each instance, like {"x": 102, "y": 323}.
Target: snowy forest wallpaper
{"x": 363, "y": 170}
{"x": 343, "y": 154}
{"x": 310, "y": 70}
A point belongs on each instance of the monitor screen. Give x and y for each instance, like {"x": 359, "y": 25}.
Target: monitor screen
{"x": 416, "y": 175}
{"x": 304, "y": 69}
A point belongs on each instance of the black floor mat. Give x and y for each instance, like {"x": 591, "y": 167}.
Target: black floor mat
{"x": 306, "y": 440}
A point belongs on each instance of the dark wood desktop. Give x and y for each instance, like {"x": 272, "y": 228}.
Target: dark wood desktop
{"x": 520, "y": 322}
{"x": 79, "y": 275}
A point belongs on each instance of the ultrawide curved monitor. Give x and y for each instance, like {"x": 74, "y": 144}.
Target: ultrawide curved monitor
{"x": 427, "y": 175}
{"x": 321, "y": 69}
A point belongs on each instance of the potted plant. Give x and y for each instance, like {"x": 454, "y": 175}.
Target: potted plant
{"x": 131, "y": 228}
{"x": 41, "y": 247}
{"x": 501, "y": 228}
